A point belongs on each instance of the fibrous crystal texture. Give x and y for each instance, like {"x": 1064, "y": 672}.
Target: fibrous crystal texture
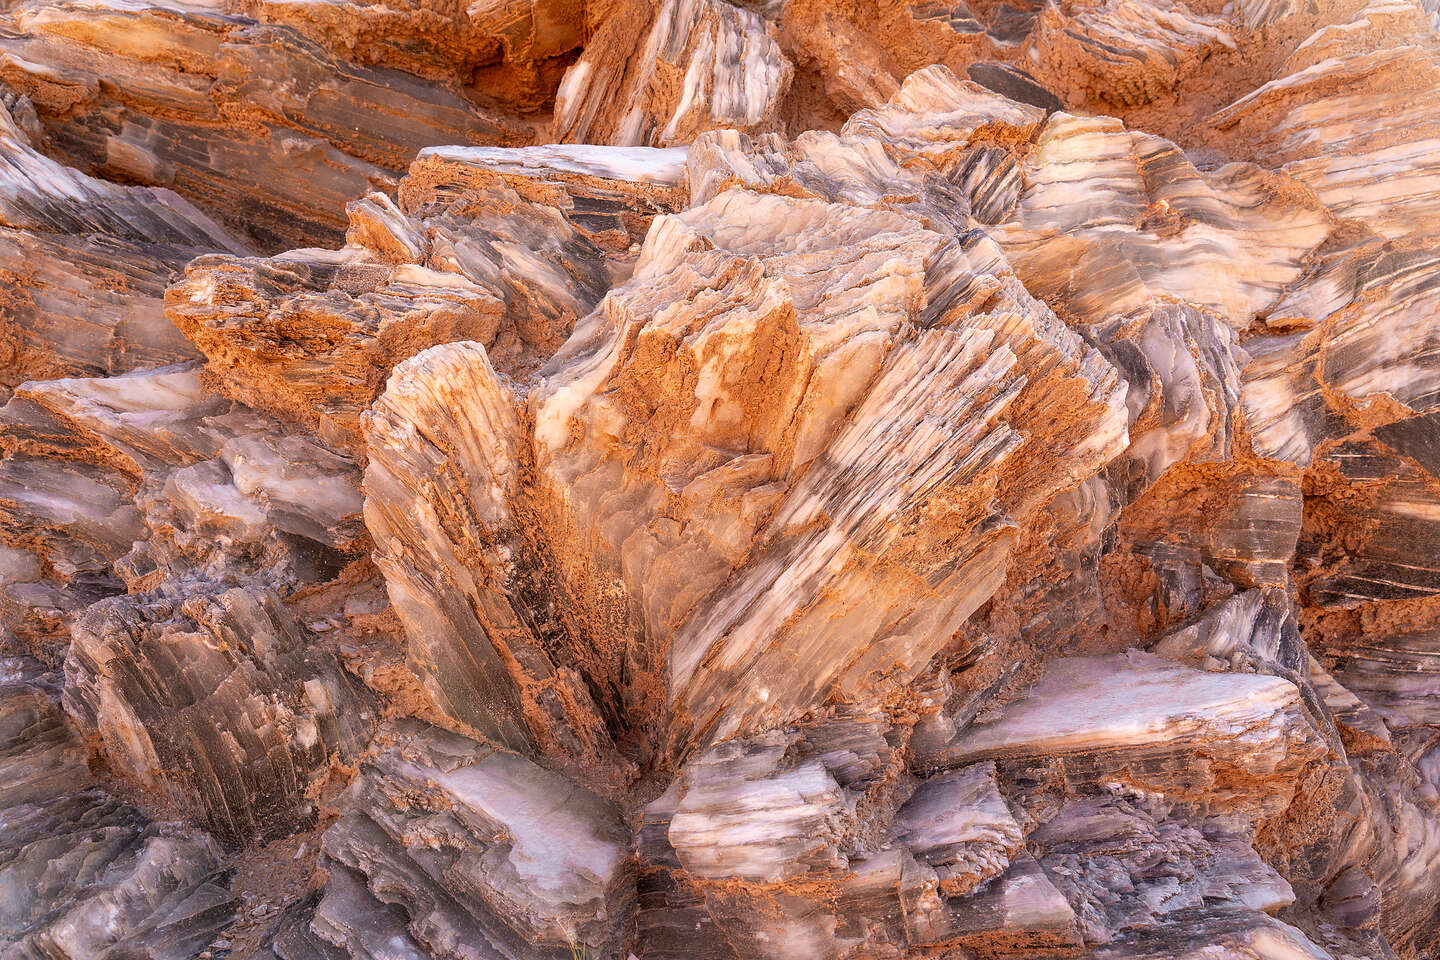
{"x": 719, "y": 480}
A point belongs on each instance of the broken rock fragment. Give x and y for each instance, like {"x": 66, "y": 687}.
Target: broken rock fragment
{"x": 849, "y": 499}
{"x": 220, "y": 700}
{"x": 482, "y": 850}
{"x": 507, "y": 248}
{"x": 730, "y": 70}
{"x": 86, "y": 874}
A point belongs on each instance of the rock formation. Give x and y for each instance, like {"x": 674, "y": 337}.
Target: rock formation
{"x": 719, "y": 479}
{"x": 84, "y": 873}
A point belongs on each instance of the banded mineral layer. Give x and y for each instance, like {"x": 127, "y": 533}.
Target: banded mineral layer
{"x": 719, "y": 480}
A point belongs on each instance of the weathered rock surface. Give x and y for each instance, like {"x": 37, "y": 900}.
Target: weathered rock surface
{"x": 699, "y": 65}
{"x": 199, "y": 684}
{"x": 508, "y": 53}
{"x": 504, "y": 248}
{"x": 84, "y": 874}
{"x": 126, "y": 483}
{"x": 719, "y": 479}
{"x": 850, "y": 371}
{"x": 85, "y": 263}
{"x": 1382, "y": 59}
{"x": 486, "y": 853}
{"x": 1223, "y": 742}
{"x": 192, "y": 98}
{"x": 216, "y": 700}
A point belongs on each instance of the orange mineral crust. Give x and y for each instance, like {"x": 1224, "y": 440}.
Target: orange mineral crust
{"x": 719, "y": 480}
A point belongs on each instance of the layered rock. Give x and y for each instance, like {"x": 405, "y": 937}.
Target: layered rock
{"x": 797, "y": 843}
{"x": 505, "y": 248}
{"x": 509, "y": 53}
{"x": 897, "y": 480}
{"x": 1183, "y": 365}
{"x": 850, "y": 377}
{"x": 1124, "y": 53}
{"x": 701, "y": 65}
{"x": 199, "y": 684}
{"x": 188, "y": 99}
{"x": 86, "y": 874}
{"x": 1347, "y": 343}
{"x": 85, "y": 264}
{"x": 220, "y": 700}
{"x": 130, "y": 481}
{"x": 1139, "y": 721}
{"x": 1308, "y": 120}
{"x": 1125, "y": 866}
{"x": 483, "y": 852}
{"x": 480, "y": 637}
{"x": 1145, "y": 220}
{"x": 939, "y": 152}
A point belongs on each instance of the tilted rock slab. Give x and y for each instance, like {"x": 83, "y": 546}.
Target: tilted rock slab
{"x": 197, "y": 108}
{"x": 505, "y": 248}
{"x": 219, "y": 700}
{"x": 85, "y": 264}
{"x": 488, "y": 854}
{"x": 86, "y": 875}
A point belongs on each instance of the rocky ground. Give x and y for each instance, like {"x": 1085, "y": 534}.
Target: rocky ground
{"x": 704, "y": 480}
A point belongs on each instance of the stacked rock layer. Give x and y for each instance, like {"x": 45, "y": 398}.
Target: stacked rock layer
{"x": 709, "y": 480}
